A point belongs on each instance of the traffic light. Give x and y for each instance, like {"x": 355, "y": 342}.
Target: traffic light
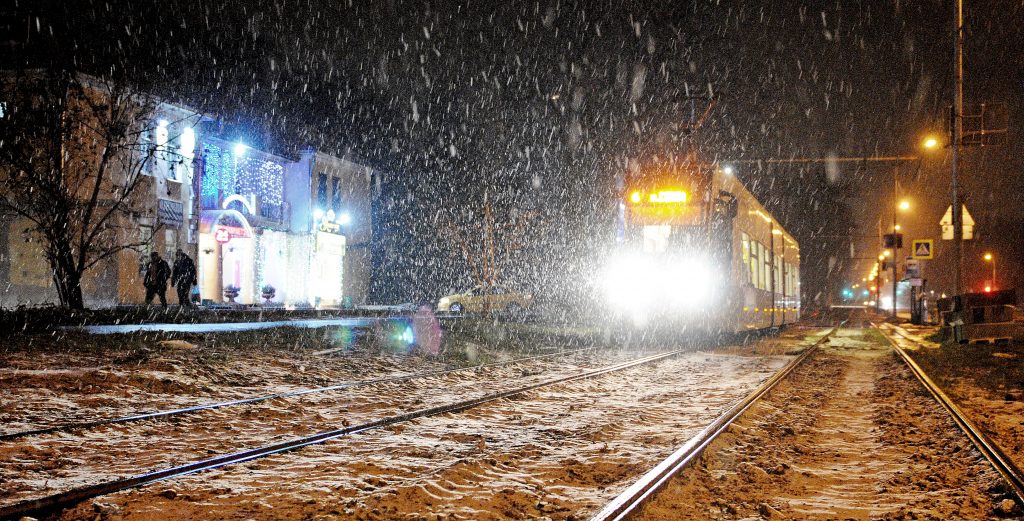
{"x": 892, "y": 240}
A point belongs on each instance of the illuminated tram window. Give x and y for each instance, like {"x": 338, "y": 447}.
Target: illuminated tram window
{"x": 755, "y": 255}
{"x": 746, "y": 257}
{"x": 656, "y": 238}
{"x": 766, "y": 269}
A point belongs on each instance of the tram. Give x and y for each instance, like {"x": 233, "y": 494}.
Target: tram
{"x": 695, "y": 249}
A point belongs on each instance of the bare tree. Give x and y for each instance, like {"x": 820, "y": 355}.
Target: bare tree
{"x": 73, "y": 151}
{"x": 489, "y": 244}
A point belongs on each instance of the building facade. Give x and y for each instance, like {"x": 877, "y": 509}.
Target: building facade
{"x": 341, "y": 228}
{"x": 159, "y": 218}
{"x": 263, "y": 229}
{"x": 264, "y": 237}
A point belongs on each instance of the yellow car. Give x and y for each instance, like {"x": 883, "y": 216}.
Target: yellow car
{"x": 476, "y": 300}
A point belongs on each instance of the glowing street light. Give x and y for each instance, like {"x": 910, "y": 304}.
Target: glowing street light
{"x": 930, "y": 143}
{"x": 904, "y": 205}
{"x": 989, "y": 258}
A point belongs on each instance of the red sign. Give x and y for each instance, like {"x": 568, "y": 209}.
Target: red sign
{"x": 222, "y": 235}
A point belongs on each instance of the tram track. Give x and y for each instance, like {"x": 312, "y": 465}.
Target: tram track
{"x": 633, "y": 499}
{"x": 52, "y": 502}
{"x": 1007, "y": 469}
{"x": 160, "y": 414}
{"x": 636, "y": 495}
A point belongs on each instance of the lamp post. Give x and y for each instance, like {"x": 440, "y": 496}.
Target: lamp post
{"x": 955, "y": 133}
{"x": 897, "y": 207}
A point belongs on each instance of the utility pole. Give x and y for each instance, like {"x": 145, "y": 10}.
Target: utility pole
{"x": 895, "y": 236}
{"x": 955, "y": 130}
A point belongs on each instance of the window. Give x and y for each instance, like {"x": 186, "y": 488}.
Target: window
{"x": 321, "y": 192}
{"x": 147, "y": 151}
{"x": 745, "y": 248}
{"x": 161, "y": 156}
{"x": 766, "y": 267}
{"x": 145, "y": 239}
{"x": 790, "y": 280}
{"x": 793, "y": 279}
{"x": 170, "y": 243}
{"x": 335, "y": 196}
{"x": 145, "y": 242}
{"x": 778, "y": 274}
{"x": 754, "y": 263}
{"x": 656, "y": 238}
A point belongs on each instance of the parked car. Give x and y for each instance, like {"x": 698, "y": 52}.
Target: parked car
{"x": 495, "y": 298}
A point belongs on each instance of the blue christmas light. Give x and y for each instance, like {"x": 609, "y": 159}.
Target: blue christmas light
{"x": 227, "y": 174}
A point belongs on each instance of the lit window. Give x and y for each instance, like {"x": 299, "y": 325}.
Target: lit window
{"x": 656, "y": 238}
{"x": 321, "y": 191}
{"x": 335, "y": 195}
{"x": 745, "y": 248}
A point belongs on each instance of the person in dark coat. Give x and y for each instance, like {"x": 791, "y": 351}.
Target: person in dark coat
{"x": 157, "y": 273}
{"x": 184, "y": 277}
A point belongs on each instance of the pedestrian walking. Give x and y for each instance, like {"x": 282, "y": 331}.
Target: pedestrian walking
{"x": 157, "y": 273}
{"x": 183, "y": 277}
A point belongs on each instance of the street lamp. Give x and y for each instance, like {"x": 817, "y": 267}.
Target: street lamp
{"x": 930, "y": 143}
{"x": 904, "y": 205}
{"x": 990, "y": 258}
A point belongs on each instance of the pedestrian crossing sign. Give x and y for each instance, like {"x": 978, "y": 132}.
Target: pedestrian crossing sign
{"x": 922, "y": 249}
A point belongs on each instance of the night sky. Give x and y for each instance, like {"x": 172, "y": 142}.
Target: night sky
{"x": 539, "y": 106}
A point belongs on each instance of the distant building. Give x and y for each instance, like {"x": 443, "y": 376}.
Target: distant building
{"x": 341, "y": 224}
{"x": 268, "y": 231}
{"x": 161, "y": 218}
{"x": 263, "y": 228}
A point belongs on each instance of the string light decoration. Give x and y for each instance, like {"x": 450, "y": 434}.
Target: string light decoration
{"x": 258, "y": 254}
{"x": 225, "y": 173}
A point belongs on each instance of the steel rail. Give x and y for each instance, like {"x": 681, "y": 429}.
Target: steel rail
{"x": 637, "y": 494}
{"x": 989, "y": 449}
{"x": 290, "y": 394}
{"x": 44, "y": 505}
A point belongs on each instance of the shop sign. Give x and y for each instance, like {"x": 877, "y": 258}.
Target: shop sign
{"x": 330, "y": 227}
{"x": 222, "y": 235}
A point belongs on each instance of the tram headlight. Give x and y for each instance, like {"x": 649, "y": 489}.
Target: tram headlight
{"x": 627, "y": 282}
{"x": 689, "y": 284}
{"x": 637, "y": 283}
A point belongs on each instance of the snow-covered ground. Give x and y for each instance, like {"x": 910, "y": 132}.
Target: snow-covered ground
{"x": 850, "y": 435}
{"x": 224, "y": 327}
{"x": 553, "y": 453}
{"x": 986, "y": 381}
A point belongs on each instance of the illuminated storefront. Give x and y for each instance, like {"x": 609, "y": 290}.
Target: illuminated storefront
{"x": 328, "y": 264}
{"x": 243, "y": 235}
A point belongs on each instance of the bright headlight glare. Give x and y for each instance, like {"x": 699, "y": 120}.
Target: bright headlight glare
{"x": 627, "y": 283}
{"x": 638, "y": 284}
